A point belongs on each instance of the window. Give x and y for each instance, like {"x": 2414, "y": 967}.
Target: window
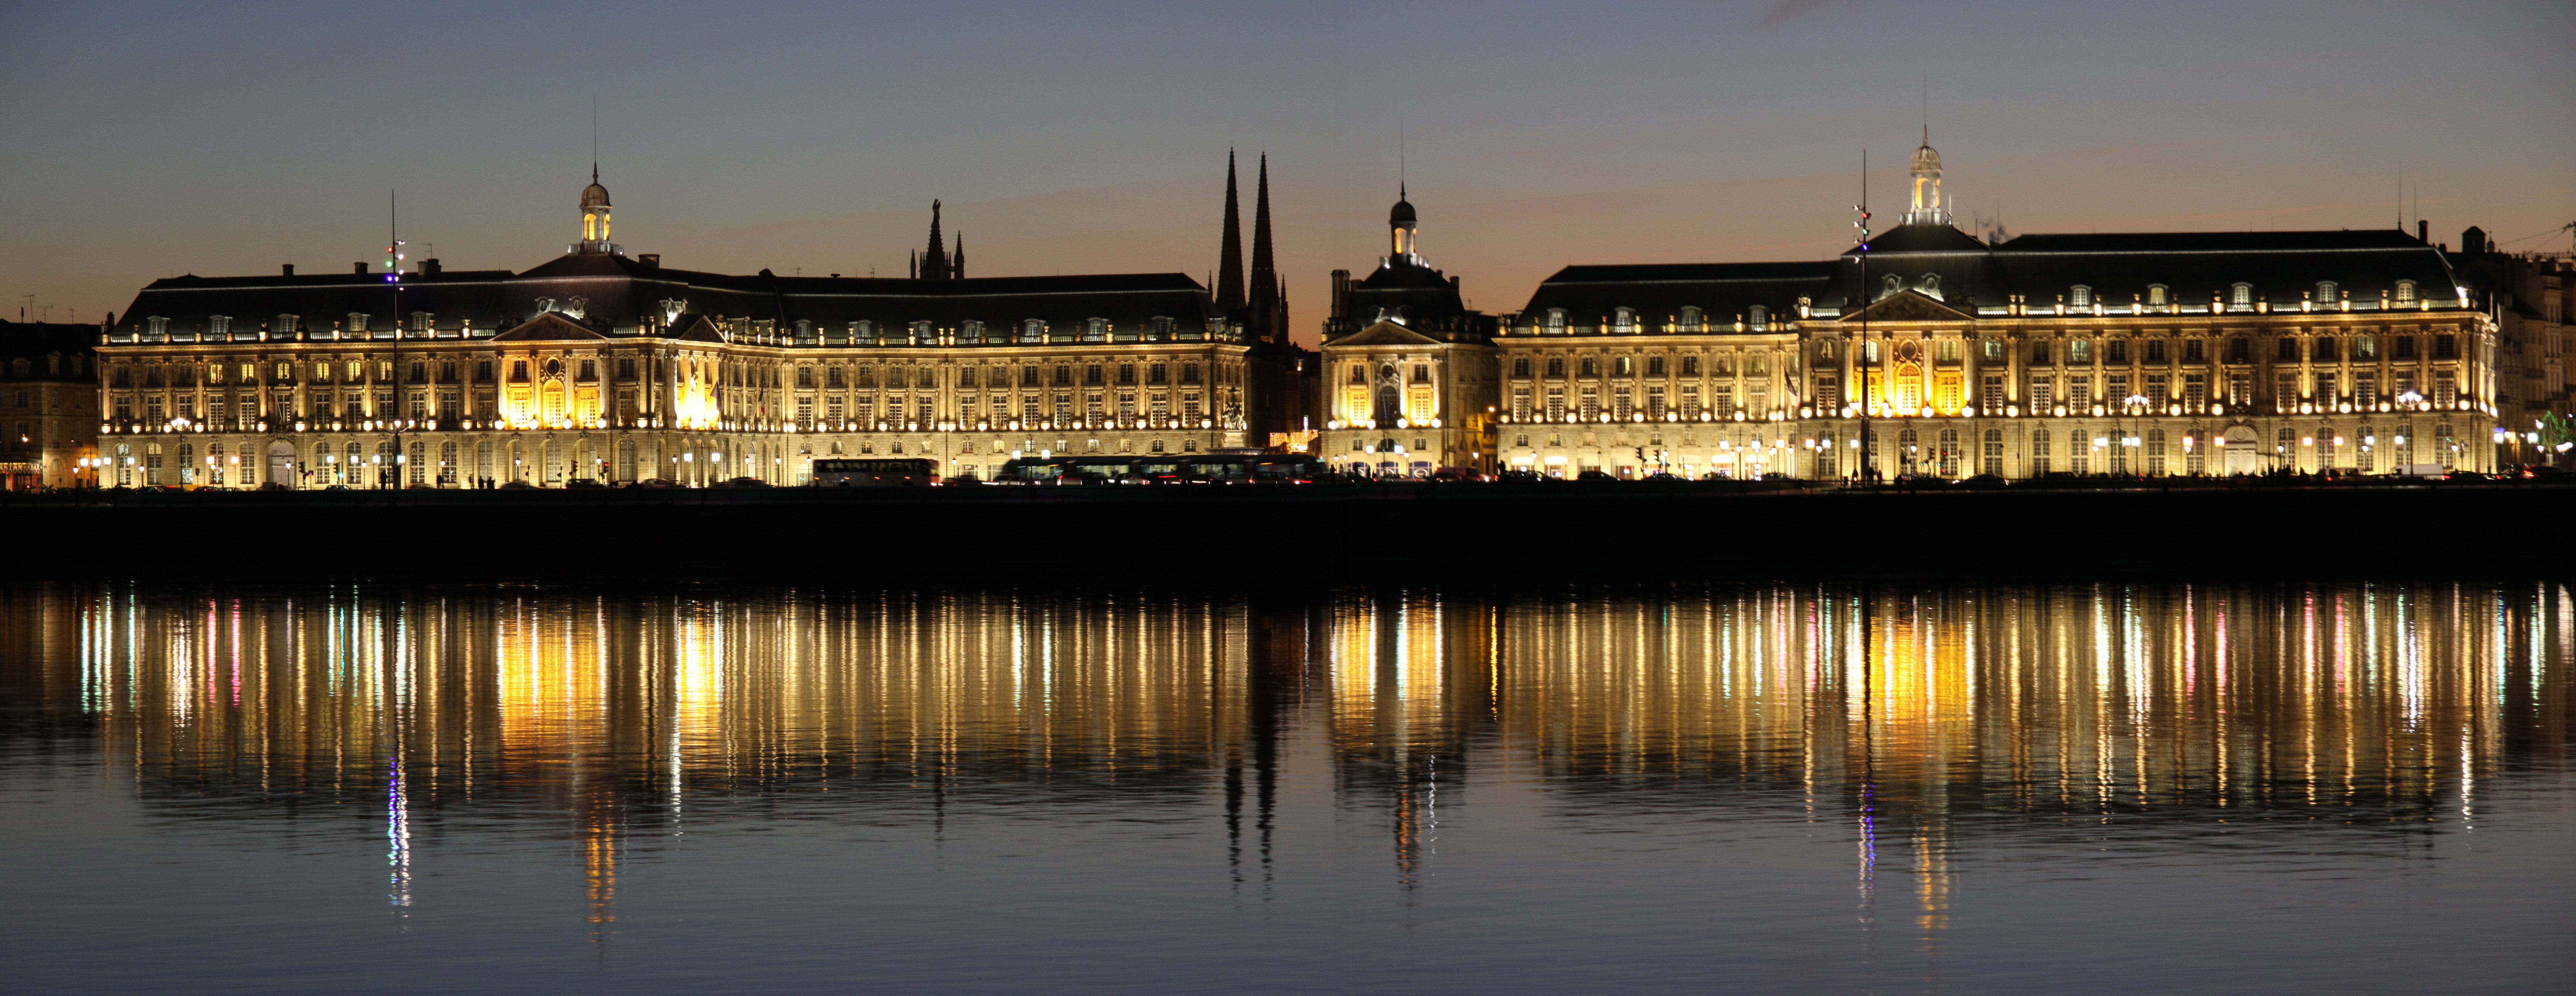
{"x": 1990, "y": 400}
{"x": 1690, "y": 318}
{"x": 2288, "y": 351}
{"x": 2322, "y": 350}
{"x": 589, "y": 370}
{"x": 2080, "y": 296}
{"x": 1761, "y": 317}
{"x": 482, "y": 372}
{"x": 1189, "y": 373}
{"x": 1591, "y": 366}
{"x": 2406, "y": 292}
{"x": 1126, "y": 374}
{"x": 1994, "y": 351}
{"x": 1622, "y": 367}
{"x": 2039, "y": 352}
{"x": 2240, "y": 295}
{"x": 1091, "y": 375}
{"x": 2326, "y": 293}
{"x": 2115, "y": 351}
{"x": 626, "y": 368}
{"x": 1654, "y": 366}
{"x": 2038, "y": 452}
{"x": 2155, "y": 351}
{"x": 1421, "y": 373}
{"x": 2156, "y": 295}
{"x": 2446, "y": 347}
{"x": 518, "y": 372}
{"x": 1946, "y": 351}
{"x": 1556, "y": 366}
{"x": 1623, "y": 321}
{"x": 2194, "y": 351}
{"x": 1690, "y": 366}
{"x": 2365, "y": 348}
{"x": 2405, "y": 347}
{"x": 2079, "y": 351}
{"x": 2240, "y": 350}
{"x": 1520, "y": 366}
{"x": 1555, "y": 321}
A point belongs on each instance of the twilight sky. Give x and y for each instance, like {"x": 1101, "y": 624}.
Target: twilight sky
{"x": 143, "y": 140}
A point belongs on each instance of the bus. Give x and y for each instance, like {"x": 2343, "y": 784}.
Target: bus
{"x": 1164, "y": 468}
{"x": 897, "y": 473}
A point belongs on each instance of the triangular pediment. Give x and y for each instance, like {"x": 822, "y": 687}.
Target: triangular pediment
{"x": 1909, "y": 306}
{"x": 551, "y": 325}
{"x": 1385, "y": 334}
{"x": 696, "y": 328}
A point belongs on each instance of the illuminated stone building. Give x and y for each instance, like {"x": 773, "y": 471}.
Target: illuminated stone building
{"x": 603, "y": 366}
{"x": 1408, "y": 369}
{"x": 2526, "y": 296}
{"x": 48, "y": 405}
{"x": 2141, "y": 354}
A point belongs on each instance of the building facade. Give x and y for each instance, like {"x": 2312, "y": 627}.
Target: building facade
{"x": 48, "y": 405}
{"x": 1408, "y": 370}
{"x": 1927, "y": 351}
{"x": 606, "y": 367}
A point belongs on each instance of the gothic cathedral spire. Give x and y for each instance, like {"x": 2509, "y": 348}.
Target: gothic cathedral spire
{"x": 1269, "y": 312}
{"x": 1229, "y": 281}
{"x": 934, "y": 263}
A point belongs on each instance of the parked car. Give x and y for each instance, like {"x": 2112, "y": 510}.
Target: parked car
{"x": 584, "y": 483}
{"x": 745, "y": 482}
{"x": 518, "y": 486}
{"x": 1985, "y": 482}
{"x": 1594, "y": 475}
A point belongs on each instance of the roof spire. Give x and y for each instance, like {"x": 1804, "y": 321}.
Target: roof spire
{"x": 1229, "y": 281}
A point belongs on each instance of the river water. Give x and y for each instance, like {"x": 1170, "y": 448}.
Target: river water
{"x": 2101, "y": 788}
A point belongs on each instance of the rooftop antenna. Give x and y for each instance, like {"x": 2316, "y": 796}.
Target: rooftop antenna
{"x": 1399, "y": 159}
{"x": 594, "y": 138}
{"x": 1927, "y": 107}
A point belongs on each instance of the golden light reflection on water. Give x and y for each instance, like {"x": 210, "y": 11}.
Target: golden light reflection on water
{"x": 1905, "y": 717}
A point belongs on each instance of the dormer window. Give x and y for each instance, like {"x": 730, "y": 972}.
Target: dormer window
{"x": 1162, "y": 327}
{"x": 2325, "y": 293}
{"x": 1760, "y": 317}
{"x": 1556, "y": 321}
{"x": 1891, "y": 285}
{"x": 1033, "y": 330}
{"x": 2405, "y": 292}
{"x": 2156, "y": 296}
{"x": 1690, "y": 319}
{"x": 2080, "y": 296}
{"x": 1623, "y": 321}
{"x": 1930, "y": 285}
{"x": 2240, "y": 295}
{"x": 222, "y": 325}
{"x": 285, "y": 325}
{"x": 1095, "y": 330}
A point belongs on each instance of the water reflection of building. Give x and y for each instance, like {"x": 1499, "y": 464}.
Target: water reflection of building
{"x": 1884, "y": 714}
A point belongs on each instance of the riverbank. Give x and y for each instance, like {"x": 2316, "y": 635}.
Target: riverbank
{"x": 1393, "y": 532}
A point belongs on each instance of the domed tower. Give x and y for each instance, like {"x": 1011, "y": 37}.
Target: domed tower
{"x": 1400, "y": 226}
{"x": 594, "y": 218}
{"x": 1924, "y": 207}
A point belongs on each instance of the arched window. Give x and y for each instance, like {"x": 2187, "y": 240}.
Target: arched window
{"x": 1930, "y": 285}
{"x": 1556, "y": 321}
{"x": 1690, "y": 318}
{"x": 1623, "y": 321}
{"x": 2326, "y": 293}
{"x": 2156, "y": 295}
{"x": 1891, "y": 285}
{"x": 2406, "y": 292}
{"x": 2240, "y": 295}
{"x": 1760, "y": 315}
{"x": 2080, "y": 296}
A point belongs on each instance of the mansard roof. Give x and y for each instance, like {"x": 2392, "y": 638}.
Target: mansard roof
{"x": 2195, "y": 266}
{"x": 619, "y": 292}
{"x": 1659, "y": 291}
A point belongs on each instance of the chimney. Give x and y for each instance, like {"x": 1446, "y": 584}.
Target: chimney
{"x": 429, "y": 267}
{"x": 2423, "y": 231}
{"x": 1341, "y": 293}
{"x": 290, "y": 269}
{"x": 359, "y": 268}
